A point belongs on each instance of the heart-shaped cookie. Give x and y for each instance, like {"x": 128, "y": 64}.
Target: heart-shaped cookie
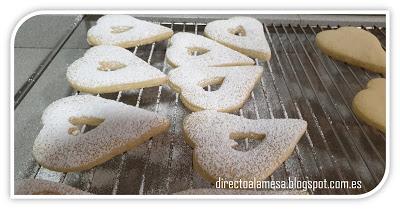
{"x": 354, "y": 46}
{"x": 191, "y": 49}
{"x": 106, "y": 69}
{"x": 61, "y": 146}
{"x": 126, "y": 31}
{"x": 243, "y": 34}
{"x": 44, "y": 187}
{"x": 370, "y": 104}
{"x": 212, "y": 135}
{"x": 236, "y": 86}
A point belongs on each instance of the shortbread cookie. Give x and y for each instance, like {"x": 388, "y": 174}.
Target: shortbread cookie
{"x": 126, "y": 31}
{"x": 354, "y": 46}
{"x": 212, "y": 135}
{"x": 61, "y": 146}
{"x": 370, "y": 104}
{"x": 243, "y": 34}
{"x": 106, "y": 69}
{"x": 239, "y": 192}
{"x": 44, "y": 187}
{"x": 236, "y": 86}
{"x": 191, "y": 49}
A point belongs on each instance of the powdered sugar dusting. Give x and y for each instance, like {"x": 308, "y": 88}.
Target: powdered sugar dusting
{"x": 123, "y": 127}
{"x": 210, "y": 131}
{"x": 122, "y": 29}
{"x": 253, "y": 39}
{"x": 237, "y": 84}
{"x": 218, "y": 55}
{"x": 84, "y": 75}
{"x": 34, "y": 186}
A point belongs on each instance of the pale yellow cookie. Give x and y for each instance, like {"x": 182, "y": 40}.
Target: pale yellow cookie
{"x": 126, "y": 31}
{"x": 212, "y": 135}
{"x": 191, "y": 49}
{"x": 43, "y": 187}
{"x": 107, "y": 69}
{"x": 370, "y": 104}
{"x": 354, "y": 46}
{"x": 236, "y": 86}
{"x": 62, "y": 146}
{"x": 243, "y": 34}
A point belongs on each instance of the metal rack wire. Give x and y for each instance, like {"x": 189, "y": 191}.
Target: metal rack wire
{"x": 298, "y": 82}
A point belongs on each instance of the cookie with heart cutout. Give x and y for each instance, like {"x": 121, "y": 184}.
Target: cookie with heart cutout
{"x": 212, "y": 135}
{"x": 190, "y": 49}
{"x": 236, "y": 86}
{"x": 62, "y": 146}
{"x": 126, "y": 31}
{"x": 243, "y": 34}
{"x": 354, "y": 46}
{"x": 370, "y": 104}
{"x": 107, "y": 69}
{"x": 44, "y": 187}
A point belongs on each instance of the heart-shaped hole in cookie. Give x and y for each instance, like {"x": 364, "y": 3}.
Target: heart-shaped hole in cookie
{"x": 213, "y": 84}
{"x": 120, "y": 29}
{"x": 110, "y": 65}
{"x": 213, "y": 87}
{"x": 197, "y": 51}
{"x": 253, "y": 140}
{"x": 238, "y": 31}
{"x": 90, "y": 123}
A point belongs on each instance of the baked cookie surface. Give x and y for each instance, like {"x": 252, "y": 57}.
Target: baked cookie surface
{"x": 106, "y": 69}
{"x": 354, "y": 46}
{"x": 243, "y": 34}
{"x": 62, "y": 146}
{"x": 126, "y": 31}
{"x": 44, "y": 187}
{"x": 212, "y": 135}
{"x": 191, "y": 49}
{"x": 236, "y": 86}
{"x": 370, "y": 104}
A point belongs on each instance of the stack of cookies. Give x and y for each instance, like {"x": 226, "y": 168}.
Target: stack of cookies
{"x": 226, "y": 55}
